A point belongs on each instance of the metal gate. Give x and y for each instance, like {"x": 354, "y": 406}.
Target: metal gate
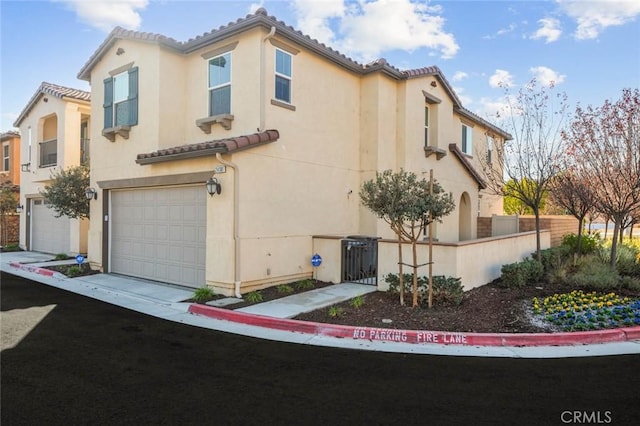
{"x": 360, "y": 260}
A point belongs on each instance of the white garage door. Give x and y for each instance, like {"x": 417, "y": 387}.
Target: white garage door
{"x": 49, "y": 234}
{"x": 159, "y": 234}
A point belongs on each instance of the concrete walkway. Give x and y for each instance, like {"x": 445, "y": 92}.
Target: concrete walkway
{"x": 269, "y": 320}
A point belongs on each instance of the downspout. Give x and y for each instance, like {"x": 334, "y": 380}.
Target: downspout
{"x": 236, "y": 223}
{"x": 262, "y": 74}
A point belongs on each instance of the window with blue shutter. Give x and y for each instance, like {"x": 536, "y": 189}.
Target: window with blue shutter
{"x": 108, "y": 103}
{"x": 121, "y": 99}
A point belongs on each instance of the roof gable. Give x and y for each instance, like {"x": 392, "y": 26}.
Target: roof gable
{"x": 60, "y": 92}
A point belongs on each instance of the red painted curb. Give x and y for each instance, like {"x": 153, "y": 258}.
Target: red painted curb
{"x": 36, "y": 269}
{"x": 420, "y": 336}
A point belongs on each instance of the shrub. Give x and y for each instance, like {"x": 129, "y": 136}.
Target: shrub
{"x": 357, "y": 301}
{"x": 305, "y": 285}
{"x": 254, "y": 297}
{"x": 446, "y": 291}
{"x": 590, "y": 242}
{"x": 11, "y": 247}
{"x": 61, "y": 256}
{"x": 627, "y": 260}
{"x": 595, "y": 275}
{"x": 335, "y": 311}
{"x": 394, "y": 283}
{"x": 519, "y": 274}
{"x": 284, "y": 288}
{"x": 203, "y": 294}
{"x": 73, "y": 271}
{"x": 554, "y": 257}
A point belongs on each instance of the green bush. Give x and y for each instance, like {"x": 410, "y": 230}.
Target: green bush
{"x": 394, "y": 283}
{"x": 595, "y": 275}
{"x": 11, "y": 247}
{"x": 335, "y": 311}
{"x": 590, "y": 242}
{"x": 203, "y": 294}
{"x": 554, "y": 257}
{"x": 73, "y": 271}
{"x": 627, "y": 261}
{"x": 284, "y": 288}
{"x": 446, "y": 291}
{"x": 254, "y": 297}
{"x": 305, "y": 285}
{"x": 519, "y": 274}
{"x": 61, "y": 256}
{"x": 357, "y": 302}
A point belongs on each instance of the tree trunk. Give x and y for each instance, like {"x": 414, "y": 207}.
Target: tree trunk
{"x": 400, "y": 271}
{"x": 536, "y": 212}
{"x": 415, "y": 272}
{"x": 614, "y": 243}
{"x": 579, "y": 248}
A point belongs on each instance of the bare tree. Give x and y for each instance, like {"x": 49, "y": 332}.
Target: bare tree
{"x": 535, "y": 117}
{"x": 605, "y": 145}
{"x": 575, "y": 196}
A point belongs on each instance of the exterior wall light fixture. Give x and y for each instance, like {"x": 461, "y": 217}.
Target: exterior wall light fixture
{"x": 213, "y": 186}
{"x": 91, "y": 194}
{"x": 19, "y": 208}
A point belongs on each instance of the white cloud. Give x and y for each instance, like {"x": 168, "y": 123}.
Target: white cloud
{"x": 105, "y": 14}
{"x": 459, "y": 75}
{"x": 549, "y": 30}
{"x": 464, "y": 99}
{"x": 547, "y": 76}
{"x": 501, "y": 31}
{"x": 255, "y": 6}
{"x": 593, "y": 17}
{"x": 367, "y": 28}
{"x": 501, "y": 78}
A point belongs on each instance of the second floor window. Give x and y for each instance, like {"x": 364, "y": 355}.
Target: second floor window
{"x": 220, "y": 85}
{"x": 5, "y": 158}
{"x": 283, "y": 76}
{"x": 121, "y": 99}
{"x": 467, "y": 138}
{"x": 48, "y": 153}
{"x": 489, "y": 149}
{"x": 426, "y": 126}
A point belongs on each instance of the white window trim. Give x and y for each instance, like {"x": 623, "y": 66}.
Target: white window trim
{"x": 210, "y": 88}
{"x": 290, "y": 78}
{"x": 6, "y": 158}
{"x": 469, "y": 150}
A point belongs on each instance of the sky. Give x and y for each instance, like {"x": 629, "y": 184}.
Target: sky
{"x": 588, "y": 49}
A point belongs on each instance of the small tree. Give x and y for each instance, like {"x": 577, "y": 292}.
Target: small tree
{"x": 408, "y": 205}
{"x": 535, "y": 118}
{"x": 575, "y": 196}
{"x": 66, "y": 192}
{"x": 604, "y": 144}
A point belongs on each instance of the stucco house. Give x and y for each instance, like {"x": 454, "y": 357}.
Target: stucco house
{"x": 10, "y": 187}
{"x": 55, "y": 135}
{"x": 285, "y": 129}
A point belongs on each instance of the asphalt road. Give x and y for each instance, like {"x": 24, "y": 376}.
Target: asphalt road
{"x": 86, "y": 362}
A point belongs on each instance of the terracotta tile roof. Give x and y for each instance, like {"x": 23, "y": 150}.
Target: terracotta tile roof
{"x": 55, "y": 90}
{"x": 9, "y": 134}
{"x": 202, "y": 149}
{"x": 467, "y": 165}
{"x": 262, "y": 19}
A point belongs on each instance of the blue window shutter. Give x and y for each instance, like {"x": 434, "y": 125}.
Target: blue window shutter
{"x": 133, "y": 96}
{"x": 108, "y": 102}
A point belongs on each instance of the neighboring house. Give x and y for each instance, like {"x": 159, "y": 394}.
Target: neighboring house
{"x": 10, "y": 187}
{"x": 288, "y": 127}
{"x": 55, "y": 127}
{"x": 10, "y": 167}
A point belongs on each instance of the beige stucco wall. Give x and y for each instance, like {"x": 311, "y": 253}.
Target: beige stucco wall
{"x": 475, "y": 262}
{"x": 60, "y": 119}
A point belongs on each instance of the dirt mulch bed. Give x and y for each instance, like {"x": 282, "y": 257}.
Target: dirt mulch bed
{"x": 485, "y": 309}
{"x": 85, "y": 269}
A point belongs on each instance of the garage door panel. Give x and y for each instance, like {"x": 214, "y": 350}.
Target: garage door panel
{"x": 160, "y": 234}
{"x": 49, "y": 234}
